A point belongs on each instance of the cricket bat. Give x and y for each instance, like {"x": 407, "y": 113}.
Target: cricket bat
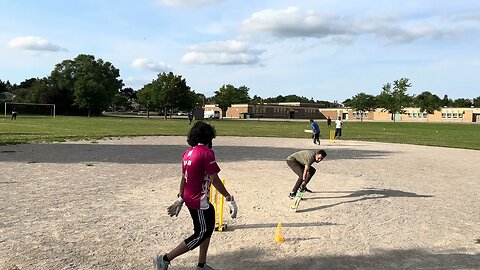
{"x": 296, "y": 201}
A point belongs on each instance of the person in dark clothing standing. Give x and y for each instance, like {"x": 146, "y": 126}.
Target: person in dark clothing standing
{"x": 190, "y": 118}
{"x": 14, "y": 114}
{"x": 316, "y": 131}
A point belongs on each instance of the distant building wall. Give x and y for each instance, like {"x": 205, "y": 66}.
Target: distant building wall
{"x": 213, "y": 107}
{"x": 297, "y": 110}
{"x": 334, "y": 113}
{"x": 460, "y": 115}
{"x": 292, "y": 110}
{"x": 444, "y": 115}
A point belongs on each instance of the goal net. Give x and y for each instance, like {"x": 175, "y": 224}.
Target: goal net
{"x": 31, "y": 109}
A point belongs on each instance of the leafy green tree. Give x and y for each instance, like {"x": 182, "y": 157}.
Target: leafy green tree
{"x": 129, "y": 93}
{"x": 5, "y": 86}
{"x": 24, "y": 92}
{"x": 288, "y": 98}
{"x": 201, "y": 99}
{"x": 427, "y": 102}
{"x": 86, "y": 83}
{"x": 28, "y": 83}
{"x": 257, "y": 100}
{"x": 166, "y": 93}
{"x": 173, "y": 93}
{"x": 363, "y": 103}
{"x": 462, "y": 103}
{"x": 446, "y": 102}
{"x": 63, "y": 78}
{"x": 394, "y": 99}
{"x": 228, "y": 95}
{"x": 123, "y": 99}
{"x": 276, "y": 99}
{"x": 476, "y": 102}
{"x": 147, "y": 97}
{"x": 120, "y": 102}
{"x": 96, "y": 83}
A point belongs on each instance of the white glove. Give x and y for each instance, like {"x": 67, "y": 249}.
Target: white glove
{"x": 232, "y": 205}
{"x": 175, "y": 208}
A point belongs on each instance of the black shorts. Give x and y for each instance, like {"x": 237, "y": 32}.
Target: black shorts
{"x": 203, "y": 226}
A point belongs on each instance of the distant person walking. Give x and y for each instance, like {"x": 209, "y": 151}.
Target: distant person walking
{"x": 329, "y": 122}
{"x": 338, "y": 128}
{"x": 14, "y": 114}
{"x": 316, "y": 131}
{"x": 190, "y": 118}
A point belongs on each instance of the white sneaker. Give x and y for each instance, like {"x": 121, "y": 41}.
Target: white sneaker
{"x": 160, "y": 264}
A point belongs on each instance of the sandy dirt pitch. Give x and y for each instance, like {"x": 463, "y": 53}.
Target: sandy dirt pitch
{"x": 101, "y": 205}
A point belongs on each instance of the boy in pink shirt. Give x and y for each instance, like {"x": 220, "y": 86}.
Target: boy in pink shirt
{"x": 199, "y": 170}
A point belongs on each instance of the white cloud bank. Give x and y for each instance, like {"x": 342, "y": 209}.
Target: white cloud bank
{"x": 32, "y": 43}
{"x": 147, "y": 64}
{"x": 230, "y": 52}
{"x": 296, "y": 23}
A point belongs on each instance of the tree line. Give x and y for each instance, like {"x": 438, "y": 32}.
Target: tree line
{"x": 394, "y": 98}
{"x": 88, "y": 86}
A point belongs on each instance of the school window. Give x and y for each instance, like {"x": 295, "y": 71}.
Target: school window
{"x": 455, "y": 115}
{"x": 460, "y": 115}
{"x": 449, "y": 115}
{"x": 410, "y": 115}
{"x": 425, "y": 115}
{"x": 444, "y": 115}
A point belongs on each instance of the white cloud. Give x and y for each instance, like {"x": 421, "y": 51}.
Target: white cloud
{"x": 188, "y": 3}
{"x": 147, "y": 64}
{"x": 32, "y": 43}
{"x": 296, "y": 23}
{"x": 412, "y": 33}
{"x": 230, "y": 52}
{"x": 292, "y": 22}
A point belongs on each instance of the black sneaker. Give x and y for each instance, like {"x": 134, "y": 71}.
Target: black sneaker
{"x": 307, "y": 190}
{"x": 291, "y": 195}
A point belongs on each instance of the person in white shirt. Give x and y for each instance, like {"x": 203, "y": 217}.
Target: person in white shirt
{"x": 338, "y": 128}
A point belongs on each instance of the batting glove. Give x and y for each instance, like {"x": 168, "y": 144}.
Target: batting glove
{"x": 232, "y": 205}
{"x": 175, "y": 208}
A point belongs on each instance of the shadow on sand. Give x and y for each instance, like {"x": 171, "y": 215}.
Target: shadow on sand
{"x": 360, "y": 195}
{"x": 381, "y": 259}
{"x": 154, "y": 154}
{"x": 273, "y": 225}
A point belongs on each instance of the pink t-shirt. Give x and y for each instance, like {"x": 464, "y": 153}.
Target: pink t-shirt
{"x": 198, "y": 163}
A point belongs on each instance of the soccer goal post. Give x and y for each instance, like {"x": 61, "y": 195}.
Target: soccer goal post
{"x": 30, "y": 108}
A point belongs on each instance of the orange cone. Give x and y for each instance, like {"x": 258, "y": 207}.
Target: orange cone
{"x": 279, "y": 234}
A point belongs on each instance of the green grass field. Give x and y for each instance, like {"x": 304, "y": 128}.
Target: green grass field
{"x": 46, "y": 129}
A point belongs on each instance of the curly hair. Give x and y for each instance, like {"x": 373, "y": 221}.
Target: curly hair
{"x": 201, "y": 132}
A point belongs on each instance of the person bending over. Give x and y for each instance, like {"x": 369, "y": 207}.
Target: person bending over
{"x": 301, "y": 164}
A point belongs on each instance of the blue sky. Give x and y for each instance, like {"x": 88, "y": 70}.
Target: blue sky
{"x": 325, "y": 50}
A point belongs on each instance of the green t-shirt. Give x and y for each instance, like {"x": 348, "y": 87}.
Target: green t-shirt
{"x": 305, "y": 157}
